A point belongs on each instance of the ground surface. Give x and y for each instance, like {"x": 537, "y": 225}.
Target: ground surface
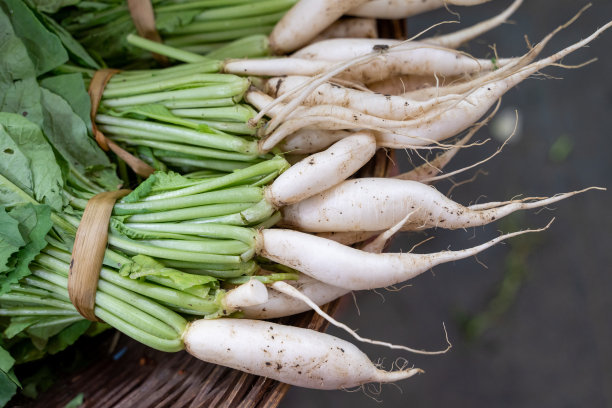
{"x": 545, "y": 338}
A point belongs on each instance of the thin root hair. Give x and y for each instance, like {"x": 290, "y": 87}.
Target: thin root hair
{"x": 456, "y": 184}
{"x": 420, "y": 243}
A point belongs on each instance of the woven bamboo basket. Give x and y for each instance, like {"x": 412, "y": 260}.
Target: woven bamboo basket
{"x": 127, "y": 374}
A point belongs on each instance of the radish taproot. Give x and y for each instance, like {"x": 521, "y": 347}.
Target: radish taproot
{"x": 351, "y": 268}
{"x": 372, "y": 204}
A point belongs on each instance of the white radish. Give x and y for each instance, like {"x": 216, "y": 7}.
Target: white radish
{"x": 377, "y": 245}
{"x": 321, "y": 171}
{"x": 450, "y": 118}
{"x": 407, "y": 57}
{"x": 348, "y": 237}
{"x": 279, "y": 304}
{"x": 350, "y": 28}
{"x": 305, "y": 20}
{"x": 306, "y": 141}
{"x": 293, "y": 355}
{"x": 402, "y": 84}
{"x": 375, "y": 60}
{"x": 275, "y": 66}
{"x": 351, "y": 268}
{"x": 394, "y": 9}
{"x": 248, "y": 294}
{"x": 382, "y": 106}
{"x": 371, "y": 204}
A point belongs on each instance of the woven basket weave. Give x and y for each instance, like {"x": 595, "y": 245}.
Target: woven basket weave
{"x": 144, "y": 377}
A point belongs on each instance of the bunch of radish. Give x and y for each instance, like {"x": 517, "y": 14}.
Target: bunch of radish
{"x": 323, "y": 101}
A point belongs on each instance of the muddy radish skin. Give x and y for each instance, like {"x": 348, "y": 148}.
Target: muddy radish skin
{"x": 293, "y": 355}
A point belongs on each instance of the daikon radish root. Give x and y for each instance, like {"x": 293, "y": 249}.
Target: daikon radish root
{"x": 351, "y": 268}
{"x": 323, "y": 170}
{"x": 305, "y": 20}
{"x": 382, "y": 106}
{"x": 400, "y": 57}
{"x": 293, "y": 355}
{"x": 368, "y": 61}
{"x": 369, "y": 204}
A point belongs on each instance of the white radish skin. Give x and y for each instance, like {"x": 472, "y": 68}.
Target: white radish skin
{"x": 347, "y": 237}
{"x": 350, "y": 28}
{"x": 305, "y": 20}
{"x": 260, "y": 100}
{"x": 371, "y": 204}
{"x": 306, "y": 141}
{"x": 275, "y": 66}
{"x": 382, "y": 106}
{"x": 293, "y": 355}
{"x": 401, "y": 84}
{"x": 394, "y": 9}
{"x": 279, "y": 304}
{"x": 411, "y": 57}
{"x": 248, "y": 294}
{"x": 323, "y": 170}
{"x": 377, "y": 245}
{"x": 390, "y": 133}
{"x": 350, "y": 268}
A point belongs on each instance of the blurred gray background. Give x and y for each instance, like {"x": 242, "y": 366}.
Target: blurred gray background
{"x": 534, "y": 328}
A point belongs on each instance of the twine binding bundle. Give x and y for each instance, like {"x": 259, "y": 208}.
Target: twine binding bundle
{"x": 88, "y": 252}
{"x": 96, "y": 89}
{"x": 143, "y": 17}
